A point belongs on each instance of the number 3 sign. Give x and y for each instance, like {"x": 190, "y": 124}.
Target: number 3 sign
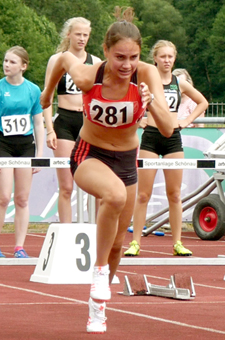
{"x": 68, "y": 254}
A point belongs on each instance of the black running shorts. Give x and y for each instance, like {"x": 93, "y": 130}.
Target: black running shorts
{"x": 152, "y": 140}
{"x": 122, "y": 163}
{"x": 17, "y": 146}
{"x": 67, "y": 124}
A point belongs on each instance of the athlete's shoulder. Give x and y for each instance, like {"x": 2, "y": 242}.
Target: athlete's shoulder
{"x": 2, "y": 85}
{"x": 56, "y": 55}
{"x": 2, "y": 80}
{"x": 142, "y": 66}
{"x": 54, "y": 58}
{"x": 29, "y": 82}
{"x": 145, "y": 69}
{"x": 32, "y": 86}
{"x": 184, "y": 85}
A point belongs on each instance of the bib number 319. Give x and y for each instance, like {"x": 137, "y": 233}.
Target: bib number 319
{"x": 15, "y": 125}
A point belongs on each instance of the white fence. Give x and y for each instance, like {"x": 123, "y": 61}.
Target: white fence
{"x": 215, "y": 110}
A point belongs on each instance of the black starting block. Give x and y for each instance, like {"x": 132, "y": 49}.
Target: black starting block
{"x": 181, "y": 287}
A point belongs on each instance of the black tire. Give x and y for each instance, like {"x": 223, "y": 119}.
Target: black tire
{"x": 209, "y": 218}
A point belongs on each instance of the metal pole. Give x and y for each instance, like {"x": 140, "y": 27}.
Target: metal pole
{"x": 80, "y": 206}
{"x": 209, "y": 120}
{"x": 91, "y": 209}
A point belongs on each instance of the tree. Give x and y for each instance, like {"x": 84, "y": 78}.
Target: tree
{"x": 20, "y": 25}
{"x": 198, "y": 20}
{"x": 60, "y": 11}
{"x": 158, "y": 19}
{"x": 217, "y": 44}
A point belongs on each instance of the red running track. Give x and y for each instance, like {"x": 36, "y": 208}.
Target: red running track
{"x": 30, "y": 310}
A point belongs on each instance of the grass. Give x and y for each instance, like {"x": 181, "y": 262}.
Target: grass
{"x": 40, "y": 228}
{"x": 32, "y": 228}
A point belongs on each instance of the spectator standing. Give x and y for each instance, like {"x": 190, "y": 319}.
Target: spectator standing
{"x": 21, "y": 116}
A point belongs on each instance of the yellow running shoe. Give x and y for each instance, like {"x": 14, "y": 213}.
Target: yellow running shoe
{"x": 134, "y": 249}
{"x": 180, "y": 250}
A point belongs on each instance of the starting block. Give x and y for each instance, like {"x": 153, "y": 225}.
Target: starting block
{"x": 181, "y": 287}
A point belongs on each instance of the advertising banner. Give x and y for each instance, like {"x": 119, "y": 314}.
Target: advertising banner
{"x": 44, "y": 192}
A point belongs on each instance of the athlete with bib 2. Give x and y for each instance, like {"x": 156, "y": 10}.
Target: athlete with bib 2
{"x": 154, "y": 145}
{"x": 116, "y": 93}
{"x": 68, "y": 119}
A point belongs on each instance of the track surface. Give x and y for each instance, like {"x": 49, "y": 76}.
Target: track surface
{"x": 30, "y": 310}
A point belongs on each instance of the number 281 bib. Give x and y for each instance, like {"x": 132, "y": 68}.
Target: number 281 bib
{"x": 111, "y": 114}
{"x": 15, "y": 125}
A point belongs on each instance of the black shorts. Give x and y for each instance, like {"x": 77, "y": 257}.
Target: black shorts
{"x": 68, "y": 124}
{"x": 122, "y": 163}
{"x": 152, "y": 140}
{"x": 17, "y": 146}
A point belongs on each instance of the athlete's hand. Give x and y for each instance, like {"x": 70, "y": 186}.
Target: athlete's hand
{"x": 145, "y": 94}
{"x": 51, "y": 140}
{"x": 183, "y": 123}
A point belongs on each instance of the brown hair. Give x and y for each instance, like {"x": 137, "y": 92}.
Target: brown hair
{"x": 122, "y": 28}
{"x": 20, "y": 52}
{"x": 158, "y": 45}
{"x": 67, "y": 28}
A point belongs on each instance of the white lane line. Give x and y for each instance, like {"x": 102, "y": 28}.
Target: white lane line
{"x": 35, "y": 235}
{"x": 36, "y": 303}
{"x": 181, "y": 324}
{"x": 172, "y": 261}
{"x": 164, "y": 302}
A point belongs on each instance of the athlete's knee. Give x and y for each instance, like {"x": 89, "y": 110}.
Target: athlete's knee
{"x": 4, "y": 201}
{"x": 66, "y": 191}
{"x": 143, "y": 197}
{"x": 116, "y": 250}
{"x": 21, "y": 201}
{"x": 115, "y": 199}
{"x": 174, "y": 197}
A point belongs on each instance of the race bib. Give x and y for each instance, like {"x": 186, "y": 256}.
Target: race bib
{"x": 172, "y": 100}
{"x": 15, "y": 125}
{"x": 111, "y": 114}
{"x": 71, "y": 88}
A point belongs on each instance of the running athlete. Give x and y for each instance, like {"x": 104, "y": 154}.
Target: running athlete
{"x": 21, "y": 115}
{"x": 103, "y": 162}
{"x": 154, "y": 145}
{"x": 69, "y": 116}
